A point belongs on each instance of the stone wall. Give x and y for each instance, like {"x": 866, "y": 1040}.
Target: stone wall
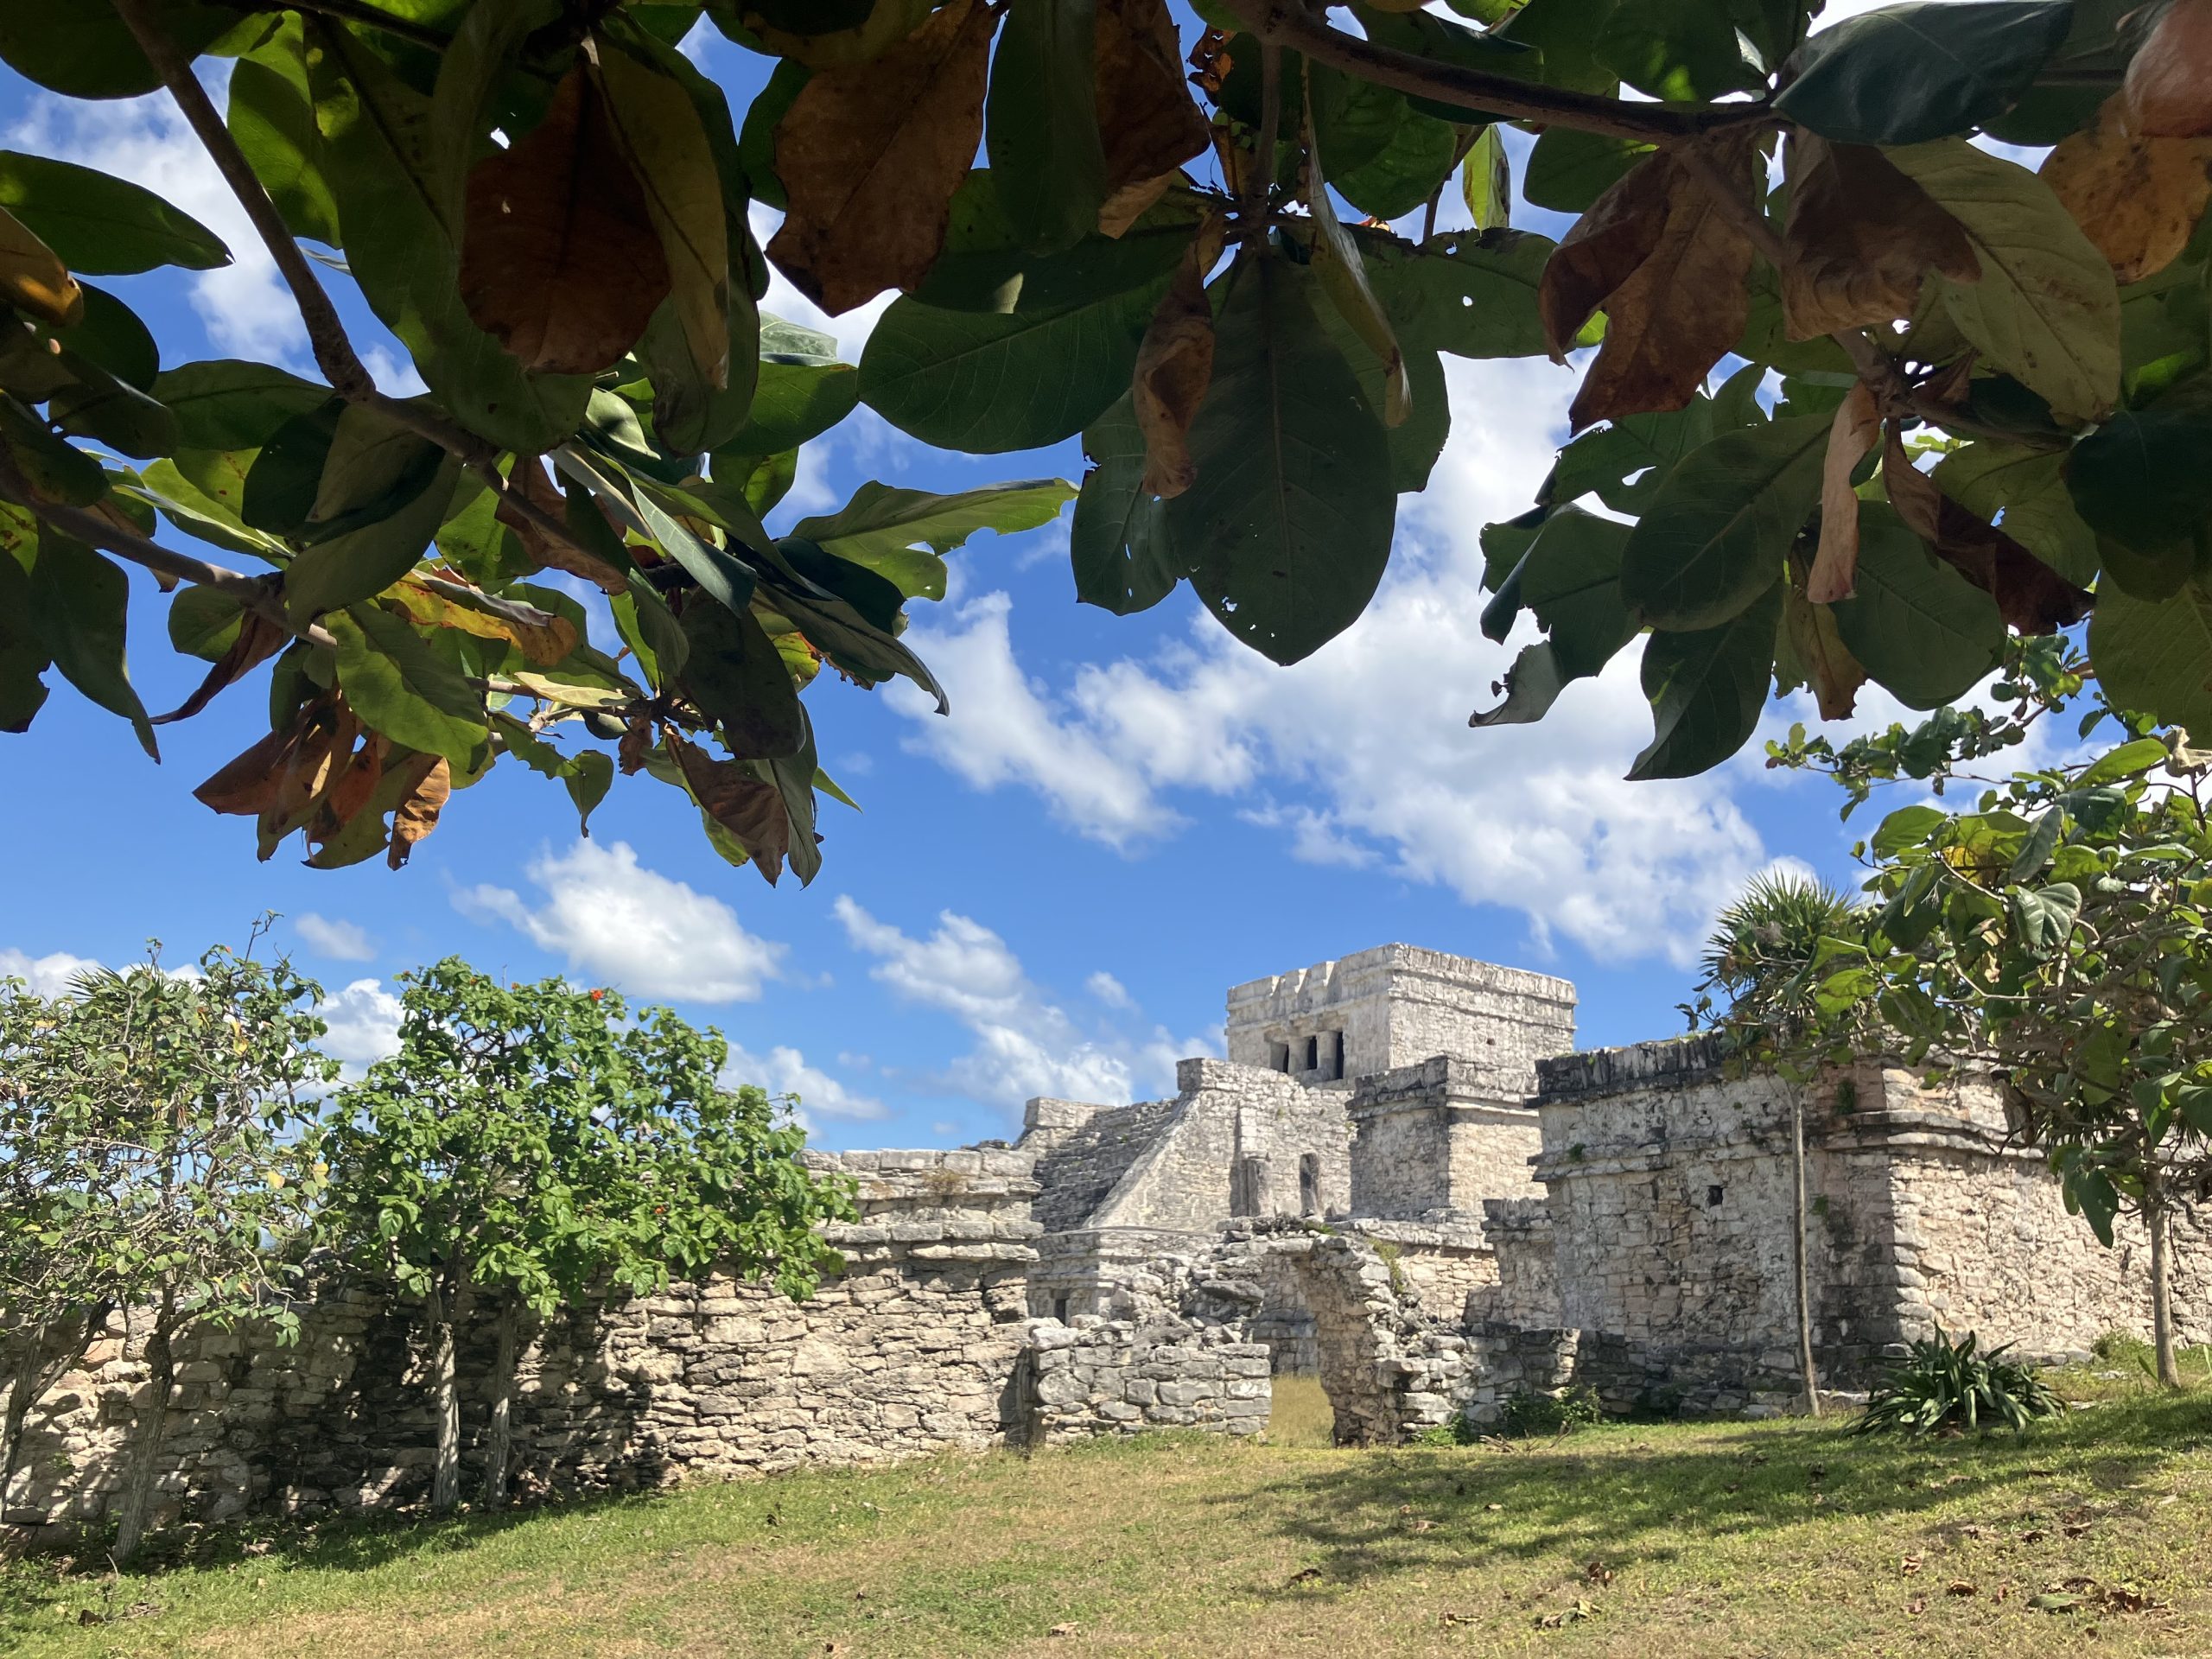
{"x": 911, "y": 1349}
{"x": 1117, "y": 1376}
{"x": 1083, "y": 1151}
{"x": 1519, "y": 1233}
{"x": 1397, "y": 1005}
{"x": 1433, "y": 1141}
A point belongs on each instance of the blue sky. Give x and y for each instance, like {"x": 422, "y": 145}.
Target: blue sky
{"x": 1047, "y": 892}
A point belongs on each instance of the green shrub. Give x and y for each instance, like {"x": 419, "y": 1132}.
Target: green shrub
{"x": 1529, "y": 1412}
{"x": 1945, "y": 1384}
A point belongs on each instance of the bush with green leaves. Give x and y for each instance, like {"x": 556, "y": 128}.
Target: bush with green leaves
{"x": 1946, "y": 1385}
{"x": 1530, "y": 1411}
{"x": 532, "y": 1149}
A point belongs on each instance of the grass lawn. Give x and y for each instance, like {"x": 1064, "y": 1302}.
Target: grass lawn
{"x": 1751, "y": 1539}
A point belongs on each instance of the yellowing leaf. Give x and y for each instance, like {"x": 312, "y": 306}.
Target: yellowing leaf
{"x": 418, "y": 811}
{"x": 1861, "y": 236}
{"x": 1486, "y": 181}
{"x": 2136, "y": 198}
{"x": 2169, "y": 87}
{"x": 2046, "y": 310}
{"x": 33, "y": 277}
{"x": 1856, "y": 430}
{"x": 1174, "y": 367}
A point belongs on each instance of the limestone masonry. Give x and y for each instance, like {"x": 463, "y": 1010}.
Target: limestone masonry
{"x": 1403, "y": 1179}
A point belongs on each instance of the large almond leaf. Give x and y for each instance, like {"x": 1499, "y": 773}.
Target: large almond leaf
{"x": 2169, "y": 87}
{"x": 1119, "y": 543}
{"x": 2151, "y": 654}
{"x": 401, "y": 687}
{"x": 2136, "y": 199}
{"x": 2027, "y": 488}
{"x": 885, "y": 529}
{"x": 75, "y": 607}
{"x": 1923, "y": 70}
{"x": 1605, "y": 247}
{"x": 1714, "y": 536}
{"x": 1708, "y": 688}
{"x": 1149, "y": 123}
{"x": 101, "y": 225}
{"x": 1570, "y": 577}
{"x": 1922, "y": 632}
{"x": 2046, "y": 310}
{"x": 559, "y": 256}
{"x": 1860, "y": 237}
{"x": 869, "y": 157}
{"x": 1041, "y": 121}
{"x": 1287, "y": 528}
{"x": 272, "y": 115}
{"x": 2031, "y": 596}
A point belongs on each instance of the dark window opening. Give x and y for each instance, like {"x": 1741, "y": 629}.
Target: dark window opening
{"x": 1312, "y": 1053}
{"x": 1309, "y": 1183}
{"x": 1279, "y": 1057}
{"x": 1713, "y": 1197}
{"x": 1340, "y": 1054}
{"x": 1060, "y": 1309}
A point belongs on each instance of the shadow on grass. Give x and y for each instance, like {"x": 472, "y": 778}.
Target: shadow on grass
{"x": 1634, "y": 1494}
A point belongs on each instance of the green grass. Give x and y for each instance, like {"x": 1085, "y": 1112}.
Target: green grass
{"x": 1651, "y": 1540}
{"x": 1299, "y": 1413}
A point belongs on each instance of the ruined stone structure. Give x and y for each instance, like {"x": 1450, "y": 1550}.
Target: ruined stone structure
{"x": 1403, "y": 1180}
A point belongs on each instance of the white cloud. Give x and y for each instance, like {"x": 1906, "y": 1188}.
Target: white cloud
{"x": 1024, "y": 1044}
{"x": 244, "y": 305}
{"x": 1369, "y": 736}
{"x": 341, "y": 941}
{"x": 1109, "y": 990}
{"x": 48, "y": 975}
{"x": 614, "y": 919}
{"x": 783, "y": 1071}
{"x": 364, "y": 1026}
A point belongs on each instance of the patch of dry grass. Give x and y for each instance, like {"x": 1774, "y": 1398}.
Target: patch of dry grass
{"x": 1656, "y": 1541}
{"x": 1299, "y": 1413}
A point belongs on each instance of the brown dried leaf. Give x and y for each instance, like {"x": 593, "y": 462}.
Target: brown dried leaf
{"x": 2031, "y": 596}
{"x": 436, "y": 602}
{"x": 418, "y": 810}
{"x": 2136, "y": 198}
{"x": 1174, "y": 367}
{"x": 1683, "y": 307}
{"x": 1860, "y": 235}
{"x": 1604, "y": 249}
{"x": 560, "y": 261}
{"x": 870, "y": 156}
{"x": 1856, "y": 428}
{"x": 2169, "y": 87}
{"x": 750, "y": 808}
{"x": 364, "y": 771}
{"x": 245, "y": 786}
{"x": 259, "y": 640}
{"x": 1210, "y": 61}
{"x": 1129, "y": 203}
{"x": 550, "y": 552}
{"x": 1147, "y": 118}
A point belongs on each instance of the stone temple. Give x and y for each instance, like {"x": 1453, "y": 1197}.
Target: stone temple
{"x": 1403, "y": 1178}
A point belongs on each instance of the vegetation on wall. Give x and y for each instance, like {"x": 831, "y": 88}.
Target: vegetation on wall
{"x": 1198, "y": 254}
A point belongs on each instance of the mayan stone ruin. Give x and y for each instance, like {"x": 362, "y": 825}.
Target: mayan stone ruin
{"x": 1403, "y": 1179}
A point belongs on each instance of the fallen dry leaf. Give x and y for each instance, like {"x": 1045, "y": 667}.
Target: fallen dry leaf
{"x": 1962, "y": 1587}
{"x": 1597, "y": 1572}
{"x": 2136, "y": 198}
{"x": 1861, "y": 236}
{"x": 1306, "y": 1575}
{"x": 1854, "y": 432}
{"x": 870, "y": 156}
{"x": 560, "y": 262}
{"x": 2169, "y": 87}
{"x": 1909, "y": 1565}
{"x": 1068, "y": 1629}
{"x": 1917, "y": 1606}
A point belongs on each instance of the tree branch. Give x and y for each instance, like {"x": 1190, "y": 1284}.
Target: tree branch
{"x": 1287, "y": 23}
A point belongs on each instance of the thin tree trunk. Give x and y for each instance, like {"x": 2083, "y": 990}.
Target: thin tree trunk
{"x": 152, "y": 1429}
{"x": 1798, "y": 1273}
{"x": 499, "y": 1439}
{"x": 445, "y": 1481}
{"x": 2162, "y": 1290}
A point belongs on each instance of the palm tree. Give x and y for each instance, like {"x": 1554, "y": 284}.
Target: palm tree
{"x": 1763, "y": 955}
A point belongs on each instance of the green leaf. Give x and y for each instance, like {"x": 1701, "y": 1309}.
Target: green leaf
{"x": 2144, "y": 477}
{"x": 110, "y": 334}
{"x": 1342, "y": 275}
{"x": 2046, "y": 310}
{"x": 272, "y": 118}
{"x": 1707, "y": 689}
{"x": 2126, "y": 761}
{"x": 1287, "y": 528}
{"x": 795, "y": 401}
{"x": 1041, "y": 122}
{"x": 399, "y": 686}
{"x": 1486, "y": 183}
{"x": 1682, "y": 50}
{"x": 1414, "y": 167}
{"x": 1714, "y": 534}
{"x": 1907, "y": 74}
{"x": 224, "y": 403}
{"x": 1571, "y": 579}
{"x": 101, "y": 225}
{"x": 733, "y": 672}
{"x": 986, "y": 265}
{"x": 1417, "y": 440}
{"x": 2151, "y": 654}
{"x": 878, "y": 528}
{"x": 1119, "y": 544}
{"x": 2042, "y": 917}
{"x": 112, "y": 410}
{"x": 76, "y": 608}
{"x": 1568, "y": 170}
{"x": 1908, "y": 826}
{"x": 1470, "y": 293}
{"x": 336, "y": 572}
{"x": 1625, "y": 462}
{"x": 1923, "y": 631}
{"x": 756, "y": 140}
{"x": 2035, "y": 853}
{"x": 378, "y": 157}
{"x": 2028, "y": 488}
{"x": 205, "y": 621}
{"x": 986, "y": 383}
{"x": 88, "y": 52}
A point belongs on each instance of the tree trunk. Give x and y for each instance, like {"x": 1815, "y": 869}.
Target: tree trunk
{"x": 445, "y": 1482}
{"x": 499, "y": 1439}
{"x": 2162, "y": 1290}
{"x": 152, "y": 1429}
{"x": 1797, "y": 1250}
{"x": 37, "y": 1360}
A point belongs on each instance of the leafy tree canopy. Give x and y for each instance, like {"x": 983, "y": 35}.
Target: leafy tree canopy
{"x": 1182, "y": 250}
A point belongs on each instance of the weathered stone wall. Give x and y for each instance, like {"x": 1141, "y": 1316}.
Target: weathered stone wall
{"x": 1439, "y": 1265}
{"x": 1117, "y": 1376}
{"x": 1433, "y": 1141}
{"x": 1519, "y": 1233}
{"x": 1397, "y": 1005}
{"x": 1083, "y": 1151}
{"x": 910, "y": 1349}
